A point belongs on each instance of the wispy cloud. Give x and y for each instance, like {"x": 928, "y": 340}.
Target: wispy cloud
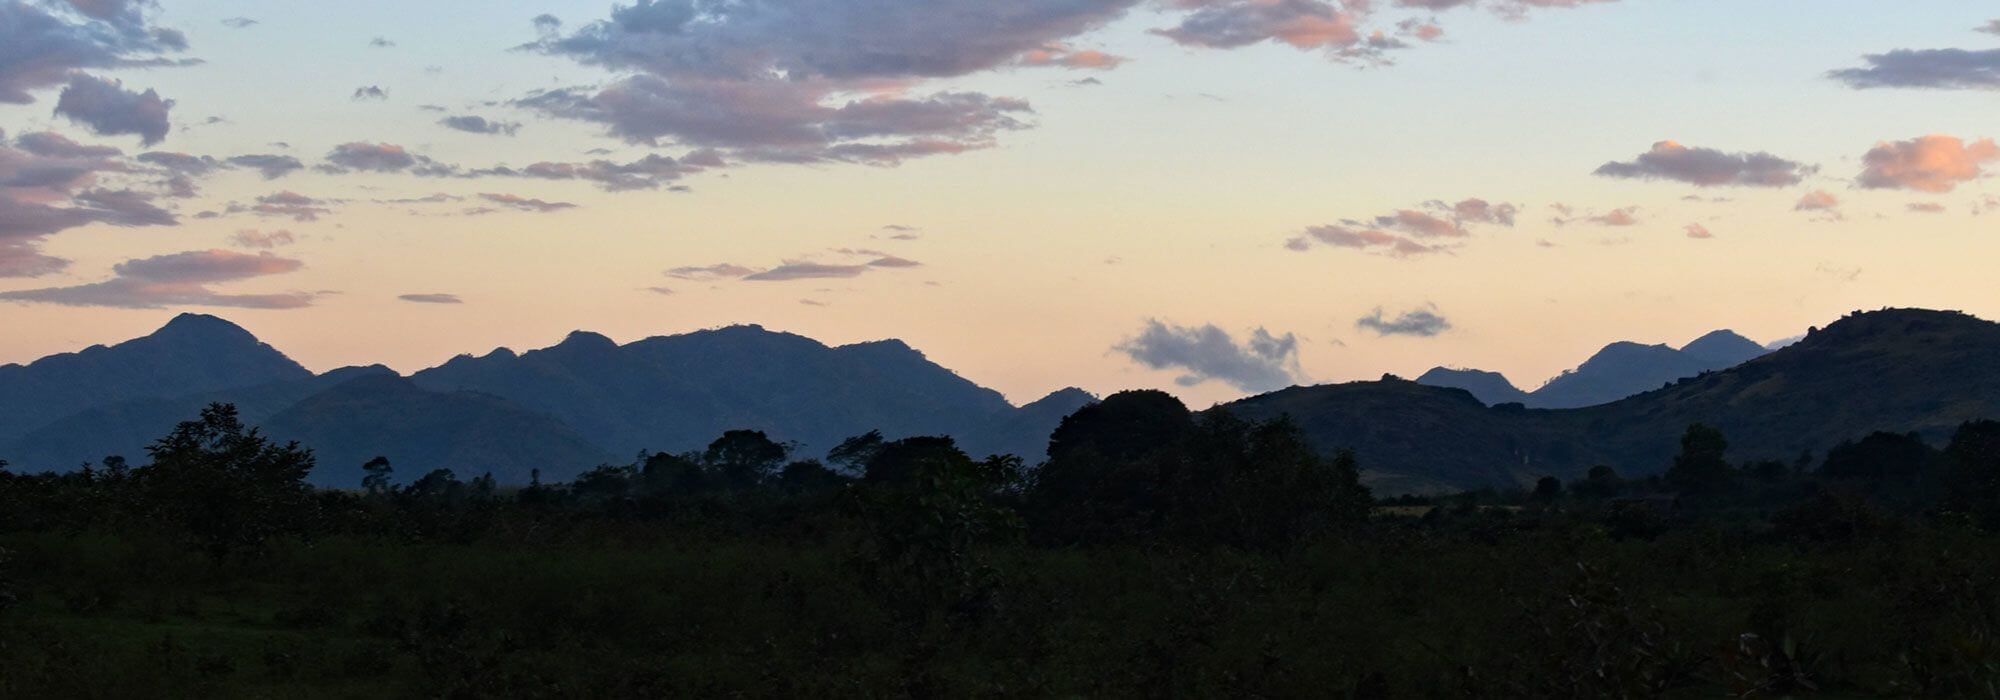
{"x": 431, "y": 298}
{"x": 1423, "y": 323}
{"x": 1941, "y": 69}
{"x": 178, "y": 279}
{"x": 1708, "y": 167}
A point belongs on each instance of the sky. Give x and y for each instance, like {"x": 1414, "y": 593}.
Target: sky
{"x": 1212, "y": 197}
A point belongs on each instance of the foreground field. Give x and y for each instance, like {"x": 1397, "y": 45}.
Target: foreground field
{"x": 1499, "y": 605}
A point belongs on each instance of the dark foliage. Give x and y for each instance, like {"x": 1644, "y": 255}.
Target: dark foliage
{"x": 1139, "y": 466}
{"x": 1159, "y": 552}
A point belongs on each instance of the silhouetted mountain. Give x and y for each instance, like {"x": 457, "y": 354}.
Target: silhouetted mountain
{"x": 1025, "y": 433}
{"x": 1619, "y": 370}
{"x": 1898, "y": 371}
{"x": 1489, "y": 387}
{"x": 125, "y": 428}
{"x": 568, "y": 405}
{"x": 677, "y": 393}
{"x": 1723, "y": 348}
{"x": 470, "y": 433}
{"x": 190, "y": 354}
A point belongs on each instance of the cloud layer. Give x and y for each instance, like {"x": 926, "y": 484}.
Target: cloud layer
{"x": 43, "y": 44}
{"x": 178, "y": 279}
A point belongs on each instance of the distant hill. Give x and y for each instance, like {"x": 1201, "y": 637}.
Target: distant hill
{"x": 1619, "y": 370}
{"x": 1899, "y": 370}
{"x": 1723, "y": 348}
{"x": 189, "y": 355}
{"x": 1025, "y": 433}
{"x": 1491, "y": 388}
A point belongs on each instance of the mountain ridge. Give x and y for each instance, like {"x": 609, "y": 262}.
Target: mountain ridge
{"x": 661, "y": 393}
{"x": 1867, "y": 372}
{"x": 1618, "y": 370}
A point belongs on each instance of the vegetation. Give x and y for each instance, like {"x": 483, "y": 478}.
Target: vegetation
{"x": 1156, "y": 552}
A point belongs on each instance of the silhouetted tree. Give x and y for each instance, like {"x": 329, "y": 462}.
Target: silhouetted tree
{"x": 807, "y": 476}
{"x": 226, "y": 486}
{"x": 851, "y": 455}
{"x": 1768, "y": 470}
{"x": 1972, "y": 475}
{"x": 1700, "y": 467}
{"x": 1108, "y": 468}
{"x": 664, "y": 474}
{"x": 1139, "y": 465}
{"x": 1548, "y": 488}
{"x": 1832, "y": 515}
{"x": 376, "y": 474}
{"x": 1880, "y": 456}
{"x": 8, "y": 597}
{"x": 603, "y": 484}
{"x": 926, "y": 508}
{"x": 744, "y": 458}
{"x": 440, "y": 486}
{"x": 900, "y": 461}
{"x": 1601, "y": 481}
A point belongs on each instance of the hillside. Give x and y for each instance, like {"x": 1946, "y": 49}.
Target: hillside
{"x": 1897, "y": 370}
{"x": 676, "y": 393}
{"x": 125, "y": 428}
{"x": 191, "y": 354}
{"x": 418, "y": 430}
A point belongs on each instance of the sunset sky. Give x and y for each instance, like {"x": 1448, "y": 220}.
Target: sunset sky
{"x": 1213, "y": 197}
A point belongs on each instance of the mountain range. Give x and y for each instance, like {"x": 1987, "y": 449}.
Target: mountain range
{"x": 1619, "y": 370}
{"x": 561, "y": 409}
{"x": 588, "y": 400}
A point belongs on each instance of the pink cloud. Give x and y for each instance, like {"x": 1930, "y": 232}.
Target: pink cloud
{"x": 1934, "y": 163}
{"x": 1817, "y": 200}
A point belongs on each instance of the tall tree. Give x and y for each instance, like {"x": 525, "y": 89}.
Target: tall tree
{"x": 1972, "y": 476}
{"x": 744, "y": 458}
{"x": 225, "y": 485}
{"x": 1701, "y": 466}
{"x": 375, "y": 475}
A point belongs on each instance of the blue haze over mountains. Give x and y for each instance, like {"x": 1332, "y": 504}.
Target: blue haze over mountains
{"x": 563, "y": 409}
{"x": 1619, "y": 370}
{"x": 588, "y": 401}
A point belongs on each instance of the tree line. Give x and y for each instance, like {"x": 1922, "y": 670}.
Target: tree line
{"x": 1155, "y": 550}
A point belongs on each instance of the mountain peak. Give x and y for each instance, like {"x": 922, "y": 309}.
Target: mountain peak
{"x": 587, "y": 340}
{"x": 1489, "y": 387}
{"x": 203, "y": 326}
{"x": 1067, "y": 397}
{"x": 1726, "y": 348}
{"x": 890, "y": 346}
